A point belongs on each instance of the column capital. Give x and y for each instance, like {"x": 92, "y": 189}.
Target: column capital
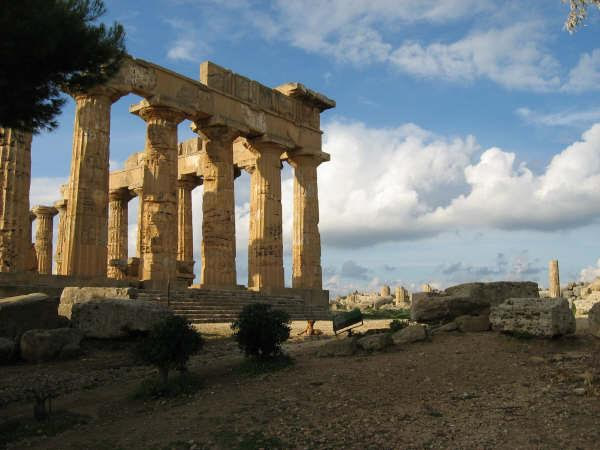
{"x": 218, "y": 133}
{"x": 40, "y": 211}
{"x": 296, "y": 159}
{"x": 99, "y": 91}
{"x": 119, "y": 194}
{"x": 150, "y": 110}
{"x": 188, "y": 182}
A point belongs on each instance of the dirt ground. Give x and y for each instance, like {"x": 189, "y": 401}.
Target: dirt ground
{"x": 476, "y": 390}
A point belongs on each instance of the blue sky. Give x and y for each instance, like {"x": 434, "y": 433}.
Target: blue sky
{"x": 465, "y": 143}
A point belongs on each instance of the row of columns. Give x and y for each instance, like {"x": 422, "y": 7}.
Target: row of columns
{"x": 87, "y": 241}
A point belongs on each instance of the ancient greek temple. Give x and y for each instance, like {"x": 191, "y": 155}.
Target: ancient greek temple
{"x": 241, "y": 126}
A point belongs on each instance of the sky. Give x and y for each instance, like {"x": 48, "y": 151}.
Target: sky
{"x": 465, "y": 144}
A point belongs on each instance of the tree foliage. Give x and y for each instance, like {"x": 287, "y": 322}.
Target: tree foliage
{"x": 47, "y": 46}
{"x": 578, "y": 13}
{"x": 260, "y": 330}
{"x": 169, "y": 345}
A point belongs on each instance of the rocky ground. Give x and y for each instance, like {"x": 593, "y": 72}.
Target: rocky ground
{"x": 472, "y": 390}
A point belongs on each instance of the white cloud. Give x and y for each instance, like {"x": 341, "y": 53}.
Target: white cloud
{"x": 45, "y": 190}
{"x": 590, "y": 273}
{"x": 188, "y": 46}
{"x": 585, "y": 76}
{"x": 567, "y": 118}
{"x": 513, "y": 57}
{"x": 421, "y": 185}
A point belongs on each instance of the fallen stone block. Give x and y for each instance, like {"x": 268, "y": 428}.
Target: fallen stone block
{"x": 472, "y": 324}
{"x": 411, "y": 333}
{"x": 46, "y": 345}
{"x": 533, "y": 316}
{"x": 375, "y": 342}
{"x": 594, "y": 320}
{"x": 72, "y": 295}
{"x": 338, "y": 347}
{"x": 108, "y": 318}
{"x": 27, "y": 312}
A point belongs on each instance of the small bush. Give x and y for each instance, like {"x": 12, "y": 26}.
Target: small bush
{"x": 260, "y": 330}
{"x": 255, "y": 366}
{"x": 169, "y": 345}
{"x": 397, "y": 325}
{"x": 185, "y": 384}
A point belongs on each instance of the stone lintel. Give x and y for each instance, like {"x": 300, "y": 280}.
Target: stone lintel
{"x": 301, "y": 92}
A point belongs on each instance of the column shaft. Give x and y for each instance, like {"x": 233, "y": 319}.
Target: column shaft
{"x": 43, "y": 238}
{"x": 159, "y": 210}
{"x": 265, "y": 248}
{"x": 84, "y": 251}
{"x": 218, "y": 206}
{"x": 554, "y": 278}
{"x": 61, "y": 207}
{"x": 15, "y": 179}
{"x": 306, "y": 245}
{"x": 117, "y": 234}
{"x": 185, "y": 237}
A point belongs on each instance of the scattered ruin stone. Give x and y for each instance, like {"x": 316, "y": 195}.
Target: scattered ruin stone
{"x": 375, "y": 342}
{"x": 7, "y": 349}
{"x": 447, "y": 327}
{"x": 345, "y": 346}
{"x": 533, "y": 316}
{"x": 594, "y": 320}
{"x": 115, "y": 318}
{"x": 26, "y": 312}
{"x": 411, "y": 333}
{"x": 402, "y": 299}
{"x": 466, "y": 299}
{"x": 471, "y": 324}
{"x": 426, "y": 288}
{"x": 72, "y": 295}
{"x": 46, "y": 345}
{"x": 385, "y": 291}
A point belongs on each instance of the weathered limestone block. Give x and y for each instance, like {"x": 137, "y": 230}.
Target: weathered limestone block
{"x": 218, "y": 207}
{"x": 117, "y": 234}
{"x": 159, "y": 216}
{"x": 401, "y": 296}
{"x": 108, "y": 318}
{"x": 46, "y": 345}
{"x": 533, "y": 316}
{"x": 84, "y": 251}
{"x": 594, "y": 320}
{"x": 265, "y": 248}
{"x": 385, "y": 291}
{"x": 379, "y": 301}
{"x": 43, "y": 237}
{"x": 72, "y": 295}
{"x": 412, "y": 333}
{"x": 26, "y": 312}
{"x": 7, "y": 350}
{"x": 426, "y": 288}
{"x": 338, "y": 347}
{"x": 375, "y": 342}
{"x": 306, "y": 245}
{"x": 472, "y": 324}
{"x": 15, "y": 179}
{"x": 466, "y": 299}
{"x": 554, "y": 280}
{"x": 584, "y": 305}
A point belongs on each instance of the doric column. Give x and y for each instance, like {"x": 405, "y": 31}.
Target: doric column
{"x": 554, "y": 279}
{"x": 306, "y": 245}
{"x": 84, "y": 251}
{"x": 218, "y": 207}
{"x": 61, "y": 207}
{"x": 43, "y": 237}
{"x": 138, "y": 192}
{"x": 265, "y": 247}
{"x": 117, "y": 233}
{"x": 15, "y": 179}
{"x": 159, "y": 196}
{"x": 185, "y": 236}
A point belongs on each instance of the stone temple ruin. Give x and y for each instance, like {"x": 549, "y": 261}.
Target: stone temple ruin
{"x": 241, "y": 125}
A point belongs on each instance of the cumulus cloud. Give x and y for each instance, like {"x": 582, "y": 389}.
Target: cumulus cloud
{"x": 421, "y": 185}
{"x": 45, "y": 190}
{"x": 567, "y": 118}
{"x": 585, "y": 76}
{"x": 350, "y": 269}
{"x": 188, "y": 45}
{"x": 590, "y": 273}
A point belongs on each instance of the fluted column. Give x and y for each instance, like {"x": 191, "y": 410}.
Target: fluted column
{"x": 61, "y": 207}
{"x": 265, "y": 247}
{"x": 138, "y": 243}
{"x": 218, "y": 207}
{"x": 118, "y": 208}
{"x": 84, "y": 251}
{"x": 15, "y": 179}
{"x": 185, "y": 236}
{"x": 43, "y": 237}
{"x": 554, "y": 279}
{"x": 159, "y": 211}
{"x": 306, "y": 245}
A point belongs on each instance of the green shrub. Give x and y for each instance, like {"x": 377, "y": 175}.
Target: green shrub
{"x": 260, "y": 330}
{"x": 397, "y": 325}
{"x": 169, "y": 345}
